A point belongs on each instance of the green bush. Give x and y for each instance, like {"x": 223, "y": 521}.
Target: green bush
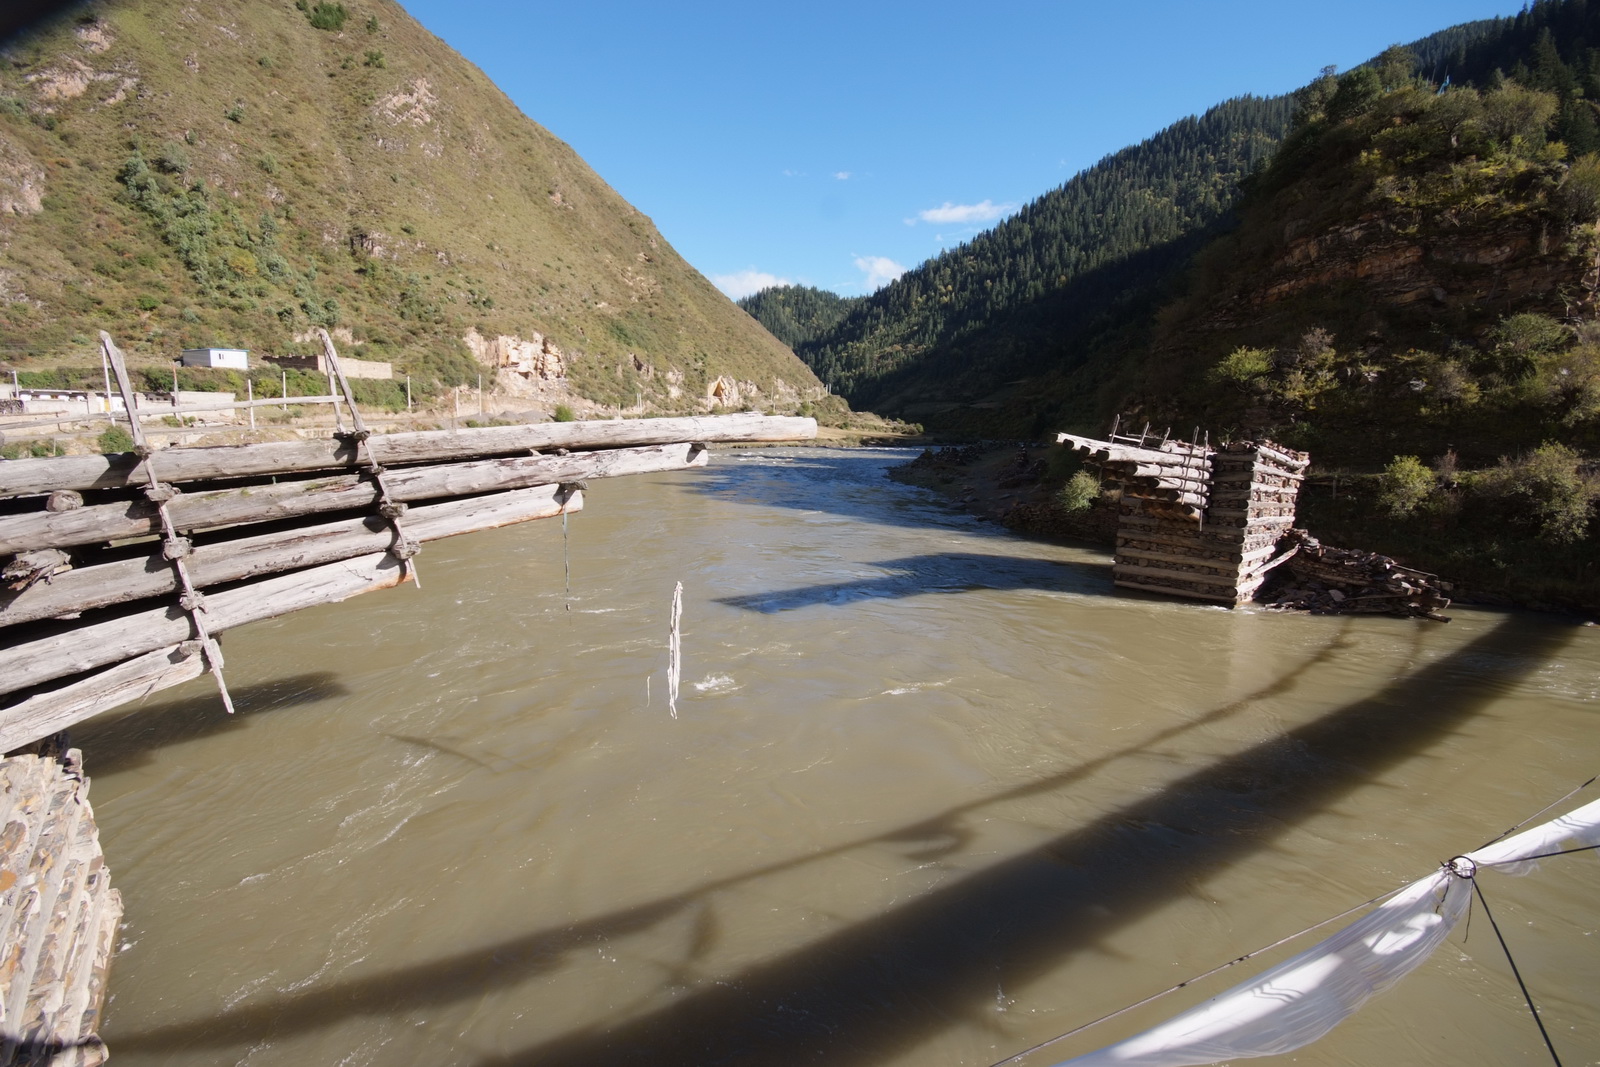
{"x": 388, "y": 394}
{"x": 62, "y": 378}
{"x": 1518, "y": 341}
{"x": 1578, "y": 197}
{"x": 1548, "y": 489}
{"x": 325, "y": 16}
{"x": 1404, "y": 486}
{"x": 115, "y": 439}
{"x": 32, "y": 449}
{"x": 172, "y": 159}
{"x": 1080, "y": 492}
{"x": 1243, "y": 366}
{"x": 564, "y": 413}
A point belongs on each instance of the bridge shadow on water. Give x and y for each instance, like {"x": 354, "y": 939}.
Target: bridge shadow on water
{"x": 115, "y": 744}
{"x": 941, "y": 572}
{"x": 881, "y": 986}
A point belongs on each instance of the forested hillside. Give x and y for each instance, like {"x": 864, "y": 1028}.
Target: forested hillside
{"x": 240, "y": 173}
{"x": 1114, "y": 227}
{"x": 798, "y": 314}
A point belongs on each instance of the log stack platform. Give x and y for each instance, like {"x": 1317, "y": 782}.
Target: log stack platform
{"x": 1197, "y": 521}
{"x": 58, "y": 915}
{"x": 119, "y": 572}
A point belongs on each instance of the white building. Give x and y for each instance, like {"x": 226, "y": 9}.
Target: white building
{"x": 222, "y": 358}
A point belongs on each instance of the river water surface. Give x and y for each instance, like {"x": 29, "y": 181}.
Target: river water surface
{"x": 932, "y": 795}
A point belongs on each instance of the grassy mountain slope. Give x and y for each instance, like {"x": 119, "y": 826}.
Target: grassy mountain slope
{"x": 238, "y": 172}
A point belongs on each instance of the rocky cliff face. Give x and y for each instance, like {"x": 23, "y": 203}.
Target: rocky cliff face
{"x": 1395, "y": 260}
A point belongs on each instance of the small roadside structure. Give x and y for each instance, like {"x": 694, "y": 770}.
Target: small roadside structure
{"x": 218, "y": 358}
{"x": 353, "y": 368}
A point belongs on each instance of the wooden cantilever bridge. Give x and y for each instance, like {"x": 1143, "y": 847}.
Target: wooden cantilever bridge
{"x": 122, "y": 570}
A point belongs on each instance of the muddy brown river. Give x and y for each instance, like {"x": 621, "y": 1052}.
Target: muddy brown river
{"x": 933, "y": 794}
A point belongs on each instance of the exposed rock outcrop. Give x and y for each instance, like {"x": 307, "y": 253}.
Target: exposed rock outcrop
{"x": 1503, "y": 266}
{"x": 529, "y": 366}
{"x": 21, "y": 181}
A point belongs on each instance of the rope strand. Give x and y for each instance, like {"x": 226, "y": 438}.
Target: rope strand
{"x": 1538, "y": 813}
{"x": 1523, "y": 985}
{"x": 1199, "y": 977}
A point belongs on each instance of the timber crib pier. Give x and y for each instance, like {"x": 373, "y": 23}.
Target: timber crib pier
{"x": 1197, "y": 521}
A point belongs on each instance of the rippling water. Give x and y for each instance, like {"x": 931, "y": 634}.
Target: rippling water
{"x": 934, "y": 794}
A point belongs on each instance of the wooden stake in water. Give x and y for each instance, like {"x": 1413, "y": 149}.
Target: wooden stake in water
{"x": 674, "y": 651}
{"x": 566, "y": 559}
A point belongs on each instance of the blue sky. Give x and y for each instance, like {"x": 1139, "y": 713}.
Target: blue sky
{"x": 835, "y": 144}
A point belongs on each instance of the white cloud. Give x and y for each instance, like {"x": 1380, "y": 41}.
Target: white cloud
{"x": 880, "y": 271}
{"x": 842, "y": 175}
{"x": 983, "y": 211}
{"x": 741, "y": 283}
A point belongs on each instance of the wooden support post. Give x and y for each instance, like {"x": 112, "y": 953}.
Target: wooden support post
{"x": 1215, "y": 515}
{"x": 175, "y": 548}
{"x": 387, "y": 506}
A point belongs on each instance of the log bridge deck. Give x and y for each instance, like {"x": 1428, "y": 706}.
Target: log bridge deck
{"x": 120, "y": 571}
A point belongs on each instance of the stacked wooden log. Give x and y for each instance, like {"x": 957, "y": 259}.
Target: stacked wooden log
{"x": 58, "y": 915}
{"x": 1172, "y": 477}
{"x": 1197, "y": 521}
{"x": 270, "y": 528}
{"x": 1325, "y": 580}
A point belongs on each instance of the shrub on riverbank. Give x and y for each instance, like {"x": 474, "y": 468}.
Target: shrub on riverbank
{"x": 1519, "y": 532}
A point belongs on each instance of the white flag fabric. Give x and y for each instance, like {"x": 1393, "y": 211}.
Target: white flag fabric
{"x": 1305, "y": 996}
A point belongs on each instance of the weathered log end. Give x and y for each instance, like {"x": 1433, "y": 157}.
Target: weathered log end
{"x": 58, "y": 914}
{"x": 25, "y": 569}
